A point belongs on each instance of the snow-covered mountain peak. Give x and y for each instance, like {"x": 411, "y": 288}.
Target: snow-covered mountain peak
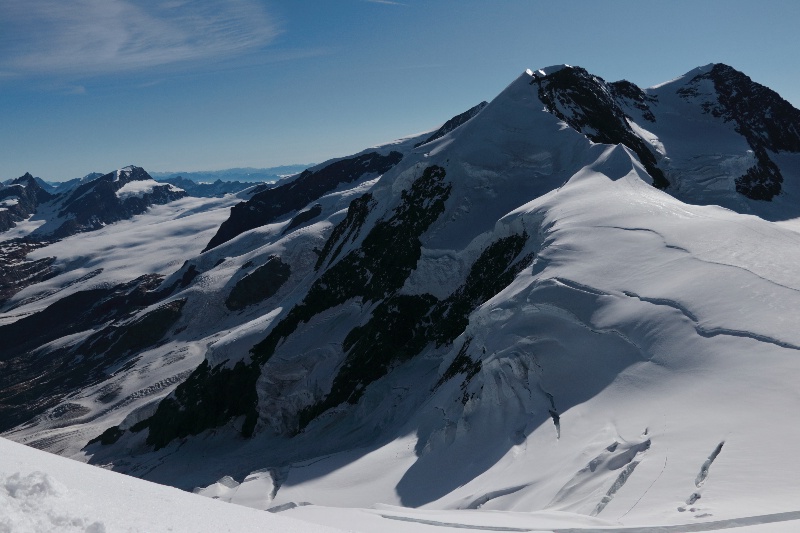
{"x": 19, "y": 199}
{"x": 540, "y": 306}
{"x": 546, "y": 71}
{"x": 703, "y": 69}
{"x": 130, "y": 172}
{"x": 92, "y": 202}
{"x": 743, "y": 122}
{"x": 713, "y": 111}
{"x": 24, "y": 179}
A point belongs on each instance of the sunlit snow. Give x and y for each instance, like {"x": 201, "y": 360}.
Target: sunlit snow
{"x": 138, "y": 188}
{"x": 639, "y": 372}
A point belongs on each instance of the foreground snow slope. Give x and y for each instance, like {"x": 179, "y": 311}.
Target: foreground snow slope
{"x": 43, "y": 493}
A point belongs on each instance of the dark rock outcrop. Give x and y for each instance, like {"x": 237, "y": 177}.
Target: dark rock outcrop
{"x": 17, "y": 272}
{"x": 587, "y": 104}
{"x": 374, "y": 272}
{"x": 19, "y": 200}
{"x": 34, "y": 378}
{"x": 303, "y": 217}
{"x": 267, "y": 206}
{"x": 630, "y": 94}
{"x": 453, "y": 123}
{"x": 258, "y": 285}
{"x": 767, "y": 121}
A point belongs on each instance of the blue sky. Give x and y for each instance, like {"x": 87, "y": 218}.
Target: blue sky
{"x": 94, "y": 85}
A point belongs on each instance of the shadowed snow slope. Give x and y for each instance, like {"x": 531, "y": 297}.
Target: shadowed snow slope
{"x": 43, "y": 493}
{"x": 573, "y": 303}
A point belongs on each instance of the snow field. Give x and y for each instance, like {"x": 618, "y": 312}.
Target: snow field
{"x": 45, "y": 493}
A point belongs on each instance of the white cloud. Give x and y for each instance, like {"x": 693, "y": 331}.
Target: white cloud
{"x": 104, "y": 36}
{"x": 389, "y": 2}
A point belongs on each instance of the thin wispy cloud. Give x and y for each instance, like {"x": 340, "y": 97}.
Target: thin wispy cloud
{"x": 388, "y": 2}
{"x": 106, "y": 36}
{"x": 77, "y": 89}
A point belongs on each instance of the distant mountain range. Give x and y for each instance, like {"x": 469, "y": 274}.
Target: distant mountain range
{"x": 246, "y": 175}
{"x": 236, "y": 174}
{"x": 576, "y": 302}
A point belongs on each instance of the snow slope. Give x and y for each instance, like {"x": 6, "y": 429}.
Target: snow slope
{"x": 43, "y": 493}
{"x": 156, "y": 242}
{"x": 140, "y": 188}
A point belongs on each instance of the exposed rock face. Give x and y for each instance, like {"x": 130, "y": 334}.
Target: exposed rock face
{"x": 20, "y": 199}
{"x": 303, "y": 217}
{"x": 596, "y": 108}
{"x": 17, "y": 272}
{"x": 587, "y": 103}
{"x": 267, "y": 206}
{"x": 767, "y": 121}
{"x": 259, "y": 284}
{"x": 375, "y": 272}
{"x": 626, "y": 92}
{"x": 33, "y": 380}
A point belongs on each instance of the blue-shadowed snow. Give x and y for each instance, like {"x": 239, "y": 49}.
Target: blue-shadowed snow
{"x": 44, "y": 493}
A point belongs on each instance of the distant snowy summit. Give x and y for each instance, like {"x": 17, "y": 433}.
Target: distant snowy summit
{"x": 32, "y": 217}
{"x": 674, "y": 128}
{"x": 19, "y": 199}
{"x": 89, "y": 203}
{"x": 115, "y": 196}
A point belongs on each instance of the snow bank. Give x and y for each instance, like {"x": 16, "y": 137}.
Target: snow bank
{"x": 141, "y": 187}
{"x": 37, "y": 502}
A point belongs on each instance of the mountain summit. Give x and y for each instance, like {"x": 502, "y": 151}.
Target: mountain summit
{"x": 558, "y": 301}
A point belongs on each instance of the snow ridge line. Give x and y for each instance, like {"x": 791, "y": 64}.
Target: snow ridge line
{"x": 452, "y": 524}
{"x": 712, "y": 332}
{"x": 654, "y": 232}
{"x": 716, "y": 525}
{"x": 707, "y": 261}
{"x": 575, "y": 320}
{"x": 703, "y": 332}
{"x": 667, "y": 303}
{"x": 708, "y": 333}
{"x": 489, "y": 496}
